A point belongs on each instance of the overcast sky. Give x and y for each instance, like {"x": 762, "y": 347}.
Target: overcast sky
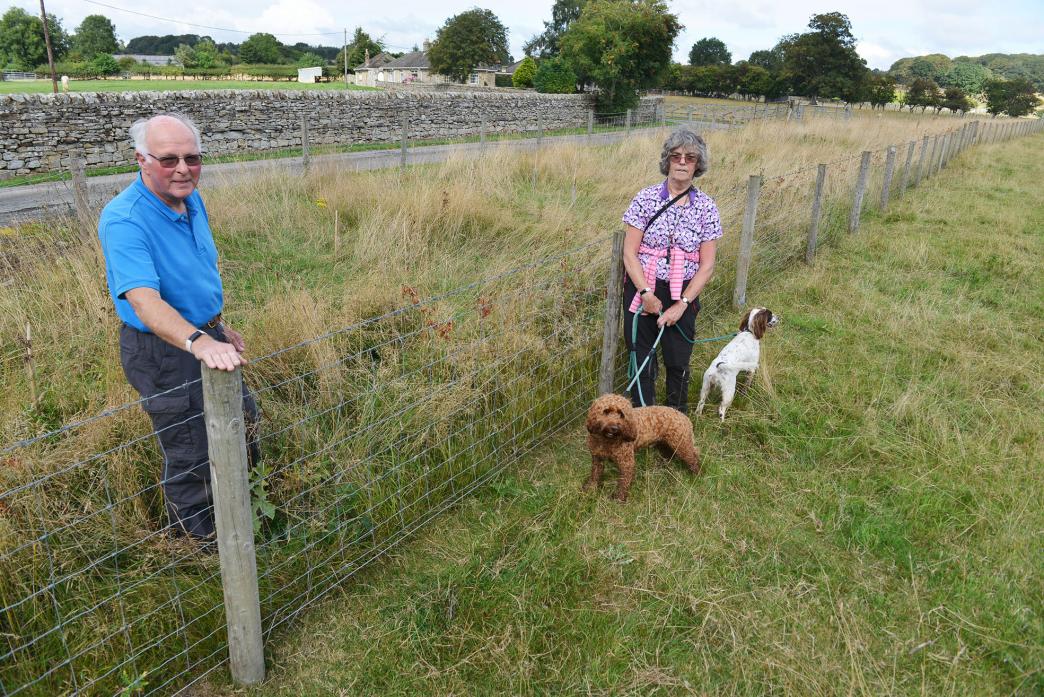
{"x": 886, "y": 29}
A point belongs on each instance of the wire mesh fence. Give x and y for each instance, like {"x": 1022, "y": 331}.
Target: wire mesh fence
{"x": 369, "y": 431}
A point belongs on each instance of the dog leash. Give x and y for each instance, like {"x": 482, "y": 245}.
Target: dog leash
{"x": 633, "y": 370}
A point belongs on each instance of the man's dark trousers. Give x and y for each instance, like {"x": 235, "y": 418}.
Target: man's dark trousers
{"x": 169, "y": 380}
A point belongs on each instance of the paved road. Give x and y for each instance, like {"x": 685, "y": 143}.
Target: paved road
{"x": 35, "y": 201}
{"x": 20, "y": 204}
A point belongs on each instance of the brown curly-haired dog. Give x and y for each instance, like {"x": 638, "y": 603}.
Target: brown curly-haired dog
{"x": 615, "y": 430}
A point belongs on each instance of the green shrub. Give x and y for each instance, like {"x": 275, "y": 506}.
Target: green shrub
{"x": 554, "y": 77}
{"x": 502, "y": 80}
{"x": 104, "y": 64}
{"x": 525, "y": 72}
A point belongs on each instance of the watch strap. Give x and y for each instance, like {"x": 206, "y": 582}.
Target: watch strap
{"x": 192, "y": 337}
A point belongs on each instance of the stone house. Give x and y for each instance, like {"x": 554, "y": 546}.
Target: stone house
{"x": 414, "y": 67}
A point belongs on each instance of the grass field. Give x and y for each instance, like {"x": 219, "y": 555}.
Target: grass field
{"x": 850, "y": 456}
{"x": 868, "y": 522}
{"x": 45, "y": 86}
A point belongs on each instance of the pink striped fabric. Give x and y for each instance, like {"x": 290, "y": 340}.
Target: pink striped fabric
{"x": 677, "y": 270}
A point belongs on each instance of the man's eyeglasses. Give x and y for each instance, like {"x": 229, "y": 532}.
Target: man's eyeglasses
{"x": 684, "y": 157}
{"x": 171, "y": 161}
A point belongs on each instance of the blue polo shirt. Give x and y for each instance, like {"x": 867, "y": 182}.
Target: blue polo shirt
{"x": 148, "y": 245}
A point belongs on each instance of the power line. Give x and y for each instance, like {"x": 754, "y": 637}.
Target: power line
{"x": 200, "y": 26}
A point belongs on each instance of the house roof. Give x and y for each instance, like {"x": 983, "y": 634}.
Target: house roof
{"x": 418, "y": 60}
{"x": 378, "y": 61}
{"x": 510, "y": 69}
{"x": 413, "y": 59}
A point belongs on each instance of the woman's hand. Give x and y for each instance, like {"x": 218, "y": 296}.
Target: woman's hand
{"x": 651, "y": 305}
{"x": 672, "y": 315}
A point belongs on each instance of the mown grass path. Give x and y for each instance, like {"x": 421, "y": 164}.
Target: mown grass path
{"x": 868, "y": 521}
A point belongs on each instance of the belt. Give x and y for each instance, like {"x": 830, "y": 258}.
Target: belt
{"x": 213, "y": 323}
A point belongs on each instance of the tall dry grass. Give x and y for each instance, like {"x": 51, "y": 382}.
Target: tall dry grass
{"x": 303, "y": 256}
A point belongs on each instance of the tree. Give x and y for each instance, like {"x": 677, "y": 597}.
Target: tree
{"x": 524, "y": 73}
{"x": 709, "y": 51}
{"x": 96, "y": 34}
{"x": 752, "y": 80}
{"x": 546, "y": 44}
{"x": 261, "y": 48}
{"x": 880, "y": 90}
{"x": 309, "y": 60}
{"x": 923, "y": 93}
{"x": 1012, "y": 97}
{"x": 968, "y": 77}
{"x": 361, "y": 43}
{"x": 621, "y": 46}
{"x": 202, "y": 55}
{"x": 955, "y": 100}
{"x": 824, "y": 62}
{"x": 104, "y": 64}
{"x": 466, "y": 41}
{"x": 22, "y": 44}
{"x": 554, "y": 76}
{"x": 771, "y": 61}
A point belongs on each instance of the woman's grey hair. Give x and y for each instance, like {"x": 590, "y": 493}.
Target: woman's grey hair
{"x": 689, "y": 141}
{"x": 139, "y": 131}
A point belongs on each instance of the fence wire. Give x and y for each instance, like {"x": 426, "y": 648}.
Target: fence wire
{"x": 368, "y": 433}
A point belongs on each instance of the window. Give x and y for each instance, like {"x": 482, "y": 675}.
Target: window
{"x": 473, "y": 79}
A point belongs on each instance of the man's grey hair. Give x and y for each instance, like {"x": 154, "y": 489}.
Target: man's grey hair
{"x": 139, "y": 131}
{"x": 689, "y": 141}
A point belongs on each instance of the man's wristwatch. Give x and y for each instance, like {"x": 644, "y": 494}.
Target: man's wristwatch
{"x": 685, "y": 300}
{"x": 192, "y": 337}
{"x": 643, "y": 291}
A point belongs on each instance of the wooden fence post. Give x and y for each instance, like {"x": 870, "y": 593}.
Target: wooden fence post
{"x": 627, "y": 121}
{"x": 540, "y": 130}
{"x": 405, "y": 136}
{"x": 817, "y": 209}
{"x": 590, "y": 122}
{"x": 920, "y": 161}
{"x": 906, "y": 168}
{"x": 886, "y": 185}
{"x": 931, "y": 158}
{"x": 739, "y": 294}
{"x": 613, "y": 312}
{"x": 860, "y": 192}
{"x": 304, "y": 143}
{"x": 230, "y": 481}
{"x": 482, "y": 131}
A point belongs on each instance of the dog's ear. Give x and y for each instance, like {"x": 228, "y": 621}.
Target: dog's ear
{"x": 592, "y": 419}
{"x": 743, "y": 322}
{"x": 628, "y": 424}
{"x": 760, "y": 324}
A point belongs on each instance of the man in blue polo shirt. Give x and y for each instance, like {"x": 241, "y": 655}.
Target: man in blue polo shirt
{"x": 161, "y": 266}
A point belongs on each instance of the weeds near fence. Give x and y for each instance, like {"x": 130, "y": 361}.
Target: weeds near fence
{"x": 409, "y": 344}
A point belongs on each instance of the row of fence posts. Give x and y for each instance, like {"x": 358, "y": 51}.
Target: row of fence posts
{"x": 482, "y": 134}
{"x": 223, "y": 407}
{"x": 944, "y": 147}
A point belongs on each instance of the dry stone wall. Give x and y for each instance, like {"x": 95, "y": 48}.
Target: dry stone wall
{"x": 41, "y": 133}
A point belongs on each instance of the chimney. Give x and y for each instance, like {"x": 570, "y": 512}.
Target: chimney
{"x": 367, "y": 58}
{"x": 427, "y": 45}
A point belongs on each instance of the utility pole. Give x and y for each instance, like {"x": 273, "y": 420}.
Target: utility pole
{"x": 346, "y": 57}
{"x": 50, "y": 53}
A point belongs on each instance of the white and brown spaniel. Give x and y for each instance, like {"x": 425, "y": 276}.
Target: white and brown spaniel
{"x": 739, "y": 355}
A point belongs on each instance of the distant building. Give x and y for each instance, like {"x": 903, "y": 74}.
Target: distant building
{"x": 151, "y": 60}
{"x": 414, "y": 67}
{"x": 309, "y": 75}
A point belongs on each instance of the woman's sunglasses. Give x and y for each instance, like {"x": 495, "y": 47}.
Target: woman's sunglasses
{"x": 684, "y": 157}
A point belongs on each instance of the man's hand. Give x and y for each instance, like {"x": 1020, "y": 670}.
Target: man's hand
{"x": 217, "y": 354}
{"x": 235, "y": 338}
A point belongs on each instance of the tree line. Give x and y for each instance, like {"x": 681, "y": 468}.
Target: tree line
{"x": 617, "y": 48}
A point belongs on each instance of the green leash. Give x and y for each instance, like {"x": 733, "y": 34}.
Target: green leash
{"x": 634, "y": 370}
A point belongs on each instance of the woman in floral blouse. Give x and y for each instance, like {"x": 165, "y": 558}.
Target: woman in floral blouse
{"x": 672, "y": 232}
